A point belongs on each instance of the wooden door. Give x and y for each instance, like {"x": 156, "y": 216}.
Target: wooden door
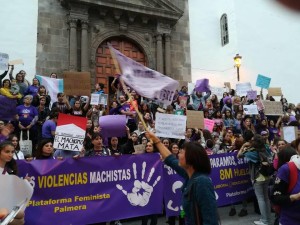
{"x": 105, "y": 69}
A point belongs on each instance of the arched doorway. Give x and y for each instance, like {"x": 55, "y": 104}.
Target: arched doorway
{"x": 105, "y": 69}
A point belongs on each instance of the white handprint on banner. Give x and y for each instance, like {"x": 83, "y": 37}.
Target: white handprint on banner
{"x": 176, "y": 185}
{"x": 142, "y": 190}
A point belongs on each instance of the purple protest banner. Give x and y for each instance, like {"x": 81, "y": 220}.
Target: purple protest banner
{"x": 8, "y": 108}
{"x": 251, "y": 95}
{"x": 113, "y": 125}
{"x": 230, "y": 178}
{"x": 90, "y": 190}
{"x": 202, "y": 85}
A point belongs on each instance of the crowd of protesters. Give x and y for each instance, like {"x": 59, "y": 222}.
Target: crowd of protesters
{"x": 256, "y": 137}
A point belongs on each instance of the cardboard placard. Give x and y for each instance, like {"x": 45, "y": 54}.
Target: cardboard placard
{"x": 275, "y": 91}
{"x": 289, "y": 133}
{"x": 77, "y": 83}
{"x": 272, "y": 108}
{"x": 139, "y": 149}
{"x": 4, "y": 61}
{"x": 16, "y": 62}
{"x": 195, "y": 119}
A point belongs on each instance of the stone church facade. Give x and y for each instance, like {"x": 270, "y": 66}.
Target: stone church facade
{"x": 73, "y": 36}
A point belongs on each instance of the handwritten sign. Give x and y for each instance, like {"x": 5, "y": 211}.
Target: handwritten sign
{"x": 103, "y": 99}
{"x": 169, "y": 125}
{"x": 263, "y": 81}
{"x": 251, "y": 95}
{"x": 209, "y": 124}
{"x": 275, "y": 91}
{"x": 77, "y": 83}
{"x": 243, "y": 88}
{"x": 195, "y": 119}
{"x": 250, "y": 109}
{"x": 191, "y": 87}
{"x": 218, "y": 91}
{"x": 139, "y": 149}
{"x": 4, "y": 61}
{"x": 16, "y": 62}
{"x": 273, "y": 108}
{"x": 290, "y": 133}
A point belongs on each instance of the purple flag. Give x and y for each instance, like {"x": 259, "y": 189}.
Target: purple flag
{"x": 113, "y": 125}
{"x": 7, "y": 108}
{"x": 202, "y": 85}
{"x": 92, "y": 189}
{"x": 145, "y": 81}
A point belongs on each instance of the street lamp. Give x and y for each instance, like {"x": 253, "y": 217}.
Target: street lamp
{"x": 237, "y": 64}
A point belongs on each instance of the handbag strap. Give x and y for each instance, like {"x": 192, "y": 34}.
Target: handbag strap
{"x": 21, "y": 135}
{"x": 27, "y": 135}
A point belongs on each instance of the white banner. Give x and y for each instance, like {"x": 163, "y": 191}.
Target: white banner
{"x": 218, "y": 91}
{"x": 250, "y": 109}
{"x": 170, "y": 126}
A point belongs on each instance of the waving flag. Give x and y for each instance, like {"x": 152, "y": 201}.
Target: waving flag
{"x": 145, "y": 81}
{"x": 53, "y": 86}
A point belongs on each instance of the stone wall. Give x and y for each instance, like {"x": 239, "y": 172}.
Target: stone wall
{"x": 53, "y": 38}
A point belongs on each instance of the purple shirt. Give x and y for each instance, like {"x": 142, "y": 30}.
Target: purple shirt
{"x": 26, "y": 114}
{"x": 48, "y": 126}
{"x": 32, "y": 90}
{"x": 289, "y": 214}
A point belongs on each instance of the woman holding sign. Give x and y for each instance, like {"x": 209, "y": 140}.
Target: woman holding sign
{"x": 198, "y": 196}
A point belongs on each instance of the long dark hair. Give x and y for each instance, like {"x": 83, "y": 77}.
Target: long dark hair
{"x": 11, "y": 166}
{"x": 285, "y": 155}
{"x": 196, "y": 156}
{"x": 39, "y": 151}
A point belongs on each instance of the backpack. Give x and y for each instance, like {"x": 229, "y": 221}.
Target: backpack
{"x": 292, "y": 182}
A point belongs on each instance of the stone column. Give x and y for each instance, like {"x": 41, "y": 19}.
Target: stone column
{"x": 84, "y": 46}
{"x": 73, "y": 45}
{"x": 168, "y": 54}
{"x": 159, "y": 54}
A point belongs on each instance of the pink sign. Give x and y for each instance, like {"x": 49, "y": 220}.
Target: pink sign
{"x": 209, "y": 124}
{"x": 260, "y": 105}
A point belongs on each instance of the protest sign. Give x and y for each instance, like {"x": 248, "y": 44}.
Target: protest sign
{"x": 275, "y": 91}
{"x": 54, "y": 86}
{"x": 77, "y": 83}
{"x": 103, "y": 99}
{"x": 95, "y": 99}
{"x": 289, "y": 133}
{"x": 243, "y": 88}
{"x": 17, "y": 191}
{"x": 182, "y": 101}
{"x": 179, "y": 112}
{"x": 70, "y": 132}
{"x": 65, "y": 190}
{"x": 195, "y": 119}
{"x": 139, "y": 149}
{"x": 272, "y": 108}
{"x": 145, "y": 81}
{"x": 263, "y": 81}
{"x": 191, "y": 87}
{"x": 7, "y": 108}
{"x": 218, "y": 122}
{"x": 4, "y": 61}
{"x": 209, "y": 124}
{"x": 170, "y": 126}
{"x": 250, "y": 109}
{"x": 16, "y": 62}
{"x": 113, "y": 125}
{"x": 218, "y": 91}
{"x": 202, "y": 85}
{"x": 251, "y": 95}
{"x": 227, "y": 85}
{"x": 260, "y": 105}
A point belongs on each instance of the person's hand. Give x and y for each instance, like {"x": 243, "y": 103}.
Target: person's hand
{"x": 3, "y": 213}
{"x": 151, "y": 136}
{"x": 21, "y": 127}
{"x": 28, "y": 127}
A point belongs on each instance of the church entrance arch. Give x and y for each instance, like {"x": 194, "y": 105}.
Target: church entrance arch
{"x": 105, "y": 69}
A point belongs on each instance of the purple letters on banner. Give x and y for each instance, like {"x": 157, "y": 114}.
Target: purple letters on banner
{"x": 91, "y": 190}
{"x": 202, "y": 85}
{"x": 8, "y": 108}
{"x": 113, "y": 125}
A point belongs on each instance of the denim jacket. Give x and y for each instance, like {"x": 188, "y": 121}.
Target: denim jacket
{"x": 203, "y": 193}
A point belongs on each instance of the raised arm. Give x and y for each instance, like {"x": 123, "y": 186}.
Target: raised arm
{"x": 160, "y": 146}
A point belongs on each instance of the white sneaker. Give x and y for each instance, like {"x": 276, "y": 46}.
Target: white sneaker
{"x": 259, "y": 222}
